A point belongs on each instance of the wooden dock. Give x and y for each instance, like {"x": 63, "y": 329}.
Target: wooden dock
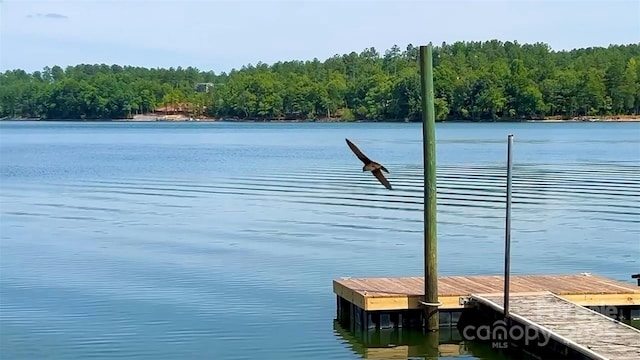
{"x": 373, "y": 294}
{"x": 558, "y": 303}
{"x": 545, "y": 316}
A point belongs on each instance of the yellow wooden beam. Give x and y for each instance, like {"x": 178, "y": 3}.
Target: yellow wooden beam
{"x": 350, "y": 295}
{"x": 378, "y": 300}
{"x": 603, "y": 299}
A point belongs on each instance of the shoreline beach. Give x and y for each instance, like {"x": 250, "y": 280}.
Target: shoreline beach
{"x": 182, "y": 118}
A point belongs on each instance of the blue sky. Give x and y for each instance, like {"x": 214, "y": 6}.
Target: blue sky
{"x": 221, "y": 35}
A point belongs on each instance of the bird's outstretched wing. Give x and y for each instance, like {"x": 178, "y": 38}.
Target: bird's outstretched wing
{"x": 378, "y": 174}
{"x": 358, "y": 153}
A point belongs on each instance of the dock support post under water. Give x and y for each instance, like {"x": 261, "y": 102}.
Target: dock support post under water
{"x": 507, "y": 228}
{"x": 431, "y": 316}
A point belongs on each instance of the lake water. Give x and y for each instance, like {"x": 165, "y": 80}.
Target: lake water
{"x": 221, "y": 240}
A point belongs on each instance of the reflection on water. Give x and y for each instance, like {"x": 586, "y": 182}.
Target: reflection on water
{"x": 447, "y": 343}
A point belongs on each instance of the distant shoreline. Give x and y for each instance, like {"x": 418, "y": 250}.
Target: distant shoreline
{"x": 180, "y": 118}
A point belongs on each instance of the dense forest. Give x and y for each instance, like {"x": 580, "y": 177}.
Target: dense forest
{"x": 489, "y": 80}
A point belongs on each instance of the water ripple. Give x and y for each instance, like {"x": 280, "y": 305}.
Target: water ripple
{"x": 149, "y": 257}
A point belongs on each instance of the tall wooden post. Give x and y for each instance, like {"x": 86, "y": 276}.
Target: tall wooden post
{"x": 431, "y": 316}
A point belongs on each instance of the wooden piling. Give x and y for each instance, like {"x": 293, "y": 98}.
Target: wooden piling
{"x": 431, "y": 317}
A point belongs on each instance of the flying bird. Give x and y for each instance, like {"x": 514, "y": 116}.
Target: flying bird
{"x": 370, "y": 165}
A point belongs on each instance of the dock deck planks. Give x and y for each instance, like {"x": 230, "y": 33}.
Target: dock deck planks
{"x": 404, "y": 293}
{"x": 586, "y": 331}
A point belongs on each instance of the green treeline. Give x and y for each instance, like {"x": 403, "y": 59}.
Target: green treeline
{"x": 473, "y": 81}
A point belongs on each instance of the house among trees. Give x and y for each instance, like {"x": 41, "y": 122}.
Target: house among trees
{"x": 173, "y": 109}
{"x": 183, "y": 109}
{"x": 203, "y": 87}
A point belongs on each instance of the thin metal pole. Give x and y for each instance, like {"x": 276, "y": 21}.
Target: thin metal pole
{"x": 507, "y": 243}
{"x": 431, "y": 316}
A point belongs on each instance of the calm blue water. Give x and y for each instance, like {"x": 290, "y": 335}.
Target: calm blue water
{"x": 221, "y": 240}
